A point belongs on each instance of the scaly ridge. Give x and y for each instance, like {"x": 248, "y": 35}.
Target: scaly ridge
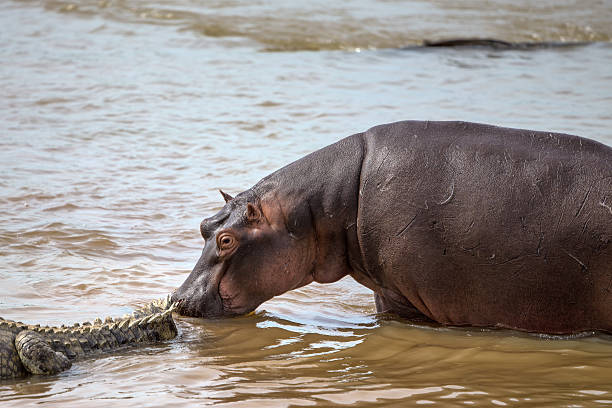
{"x": 37, "y": 349}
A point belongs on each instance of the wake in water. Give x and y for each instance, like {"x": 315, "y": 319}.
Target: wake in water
{"x": 362, "y": 24}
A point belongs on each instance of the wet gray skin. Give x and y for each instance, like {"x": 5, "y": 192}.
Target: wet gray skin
{"x": 458, "y": 223}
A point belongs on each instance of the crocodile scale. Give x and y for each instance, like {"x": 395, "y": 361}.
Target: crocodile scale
{"x": 31, "y": 349}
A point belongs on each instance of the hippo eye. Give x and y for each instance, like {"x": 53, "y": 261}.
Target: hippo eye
{"x": 226, "y": 241}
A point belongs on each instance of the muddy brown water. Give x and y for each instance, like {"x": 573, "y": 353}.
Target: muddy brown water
{"x": 120, "y": 119}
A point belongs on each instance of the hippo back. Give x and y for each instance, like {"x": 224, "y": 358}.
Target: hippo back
{"x": 481, "y": 225}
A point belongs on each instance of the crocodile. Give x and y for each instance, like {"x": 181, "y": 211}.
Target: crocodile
{"x": 31, "y": 349}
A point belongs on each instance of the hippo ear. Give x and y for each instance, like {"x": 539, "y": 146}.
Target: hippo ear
{"x": 252, "y": 212}
{"x": 226, "y": 196}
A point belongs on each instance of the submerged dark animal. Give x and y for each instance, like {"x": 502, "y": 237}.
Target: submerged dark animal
{"x": 453, "y": 222}
{"x": 499, "y": 44}
{"x": 32, "y": 349}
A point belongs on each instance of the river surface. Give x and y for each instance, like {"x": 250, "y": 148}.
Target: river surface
{"x": 120, "y": 119}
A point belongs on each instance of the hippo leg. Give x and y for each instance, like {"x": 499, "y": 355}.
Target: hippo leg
{"x": 390, "y": 302}
{"x": 381, "y": 307}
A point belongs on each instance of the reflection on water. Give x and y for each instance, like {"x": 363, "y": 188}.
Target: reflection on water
{"x": 329, "y": 356}
{"x": 119, "y": 120}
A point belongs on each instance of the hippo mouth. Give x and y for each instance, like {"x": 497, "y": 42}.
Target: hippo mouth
{"x": 232, "y": 301}
{"x": 198, "y": 300}
{"x": 222, "y": 301}
{"x": 190, "y": 308}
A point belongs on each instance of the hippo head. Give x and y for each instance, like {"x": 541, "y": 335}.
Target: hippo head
{"x": 250, "y": 255}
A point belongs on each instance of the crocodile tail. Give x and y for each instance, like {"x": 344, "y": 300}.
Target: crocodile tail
{"x": 37, "y": 355}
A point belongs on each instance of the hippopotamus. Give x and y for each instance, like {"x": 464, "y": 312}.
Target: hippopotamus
{"x": 454, "y": 223}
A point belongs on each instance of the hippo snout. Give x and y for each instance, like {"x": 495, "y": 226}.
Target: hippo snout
{"x": 185, "y": 306}
{"x": 178, "y": 301}
{"x": 197, "y": 301}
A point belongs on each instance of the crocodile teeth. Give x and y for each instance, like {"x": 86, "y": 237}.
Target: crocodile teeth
{"x": 108, "y": 320}
{"x": 98, "y": 321}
